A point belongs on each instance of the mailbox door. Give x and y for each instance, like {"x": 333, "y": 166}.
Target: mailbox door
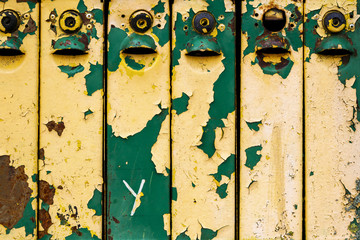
{"x": 332, "y": 138}
{"x": 138, "y": 113}
{"x": 19, "y": 61}
{"x": 71, "y": 119}
{"x": 203, "y": 120}
{"x": 271, "y": 120}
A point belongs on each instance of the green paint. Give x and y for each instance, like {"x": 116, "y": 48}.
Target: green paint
{"x": 32, "y": 5}
{"x": 226, "y": 168}
{"x": 137, "y": 40}
{"x": 252, "y": 156}
{"x": 70, "y": 42}
{"x": 28, "y": 220}
{"x": 46, "y": 237}
{"x": 81, "y": 6}
{"x": 94, "y": 80}
{"x": 208, "y": 234}
{"x": 34, "y": 177}
{"x": 254, "y": 125}
{"x": 221, "y": 190}
{"x": 71, "y": 71}
{"x": 130, "y": 62}
{"x": 95, "y": 203}
{"x": 87, "y": 113}
{"x": 174, "y": 194}
{"x": 353, "y": 204}
{"x": 193, "y": 185}
{"x": 164, "y": 32}
{"x": 114, "y": 38}
{"x": 129, "y": 159}
{"x": 272, "y": 68}
{"x": 183, "y": 236}
{"x": 159, "y": 8}
{"x": 98, "y": 15}
{"x": 82, "y": 233}
{"x": 180, "y": 104}
{"x": 203, "y": 43}
{"x": 48, "y": 172}
{"x": 45, "y": 206}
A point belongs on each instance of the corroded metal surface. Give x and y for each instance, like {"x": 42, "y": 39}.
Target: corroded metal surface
{"x": 138, "y": 136}
{"x": 332, "y": 93}
{"x": 71, "y": 119}
{"x": 203, "y": 120}
{"x": 271, "y": 120}
{"x": 18, "y": 118}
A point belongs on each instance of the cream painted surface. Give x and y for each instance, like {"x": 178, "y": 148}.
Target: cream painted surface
{"x": 271, "y": 193}
{"x": 134, "y": 95}
{"x": 74, "y": 159}
{"x": 332, "y": 148}
{"x": 18, "y": 109}
{"x": 200, "y": 206}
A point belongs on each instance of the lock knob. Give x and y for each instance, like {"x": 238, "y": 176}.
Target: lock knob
{"x": 334, "y": 21}
{"x": 70, "y": 21}
{"x": 9, "y": 21}
{"x": 274, "y": 20}
{"x": 204, "y": 22}
{"x": 141, "y": 21}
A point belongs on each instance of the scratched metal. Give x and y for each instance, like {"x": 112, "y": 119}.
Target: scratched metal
{"x": 332, "y": 92}
{"x": 138, "y": 137}
{"x": 271, "y": 120}
{"x": 203, "y": 120}
{"x": 18, "y": 118}
{"x": 71, "y": 120}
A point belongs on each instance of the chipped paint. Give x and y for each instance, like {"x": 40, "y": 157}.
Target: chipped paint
{"x": 203, "y": 132}
{"x": 271, "y": 149}
{"x": 71, "y": 120}
{"x": 332, "y": 119}
{"x": 18, "y": 124}
{"x": 138, "y": 135}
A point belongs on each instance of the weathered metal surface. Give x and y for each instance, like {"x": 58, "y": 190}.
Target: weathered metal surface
{"x": 203, "y": 120}
{"x": 271, "y": 120}
{"x": 332, "y": 140}
{"x": 71, "y": 120}
{"x": 138, "y": 135}
{"x": 18, "y": 118}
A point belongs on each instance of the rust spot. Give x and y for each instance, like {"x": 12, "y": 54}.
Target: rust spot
{"x": 57, "y": 127}
{"x": 262, "y": 63}
{"x": 85, "y": 41}
{"x": 231, "y": 25}
{"x": 30, "y": 26}
{"x": 284, "y": 62}
{"x": 298, "y": 14}
{"x": 84, "y": 18}
{"x": 115, "y": 220}
{"x": 60, "y": 187}
{"x": 45, "y": 220}
{"x": 76, "y": 230}
{"x": 41, "y": 154}
{"x": 14, "y": 192}
{"x": 46, "y": 192}
{"x": 109, "y": 231}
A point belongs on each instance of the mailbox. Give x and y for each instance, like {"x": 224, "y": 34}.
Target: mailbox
{"x": 138, "y": 113}
{"x": 271, "y": 120}
{"x": 19, "y": 33}
{"x": 71, "y": 119}
{"x": 332, "y": 92}
{"x": 203, "y": 119}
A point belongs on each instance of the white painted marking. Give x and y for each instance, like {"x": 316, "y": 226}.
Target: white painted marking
{"x": 137, "y": 196}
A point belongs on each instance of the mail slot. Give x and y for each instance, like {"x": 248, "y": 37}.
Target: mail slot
{"x": 71, "y": 119}
{"x": 19, "y": 45}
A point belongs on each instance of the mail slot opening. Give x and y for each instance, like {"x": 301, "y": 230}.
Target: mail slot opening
{"x": 10, "y": 52}
{"x": 335, "y": 52}
{"x": 272, "y": 51}
{"x": 139, "y": 50}
{"x": 70, "y": 52}
{"x": 204, "y": 53}
{"x": 274, "y": 20}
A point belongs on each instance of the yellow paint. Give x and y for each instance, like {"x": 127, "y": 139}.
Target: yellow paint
{"x": 331, "y": 158}
{"x": 200, "y": 206}
{"x": 269, "y": 192}
{"x": 19, "y": 106}
{"x": 74, "y": 159}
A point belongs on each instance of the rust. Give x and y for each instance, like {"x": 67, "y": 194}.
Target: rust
{"x": 60, "y": 187}
{"x": 284, "y": 62}
{"x": 272, "y": 40}
{"x": 232, "y": 26}
{"x": 84, "y": 40}
{"x": 41, "y": 154}
{"x": 30, "y": 26}
{"x": 317, "y": 44}
{"x": 14, "y": 192}
{"x": 57, "y": 127}
{"x": 262, "y": 63}
{"x": 45, "y": 220}
{"x": 76, "y": 230}
{"x": 46, "y": 192}
{"x": 298, "y": 14}
{"x": 84, "y": 18}
{"x": 115, "y": 220}
{"x": 109, "y": 231}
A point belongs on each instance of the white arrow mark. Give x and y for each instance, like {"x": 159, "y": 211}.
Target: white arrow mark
{"x": 137, "y": 196}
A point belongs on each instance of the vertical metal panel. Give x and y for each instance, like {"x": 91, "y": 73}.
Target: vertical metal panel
{"x": 19, "y": 121}
{"x": 203, "y": 120}
{"x": 332, "y": 120}
{"x": 71, "y": 119}
{"x": 271, "y": 120}
{"x": 138, "y": 137}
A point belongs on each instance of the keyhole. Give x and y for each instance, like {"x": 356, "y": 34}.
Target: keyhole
{"x": 141, "y": 23}
{"x": 336, "y": 22}
{"x": 70, "y": 21}
{"x": 6, "y": 21}
{"x": 204, "y": 22}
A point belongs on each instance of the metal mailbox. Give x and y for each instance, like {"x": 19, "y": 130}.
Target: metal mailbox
{"x": 71, "y": 119}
